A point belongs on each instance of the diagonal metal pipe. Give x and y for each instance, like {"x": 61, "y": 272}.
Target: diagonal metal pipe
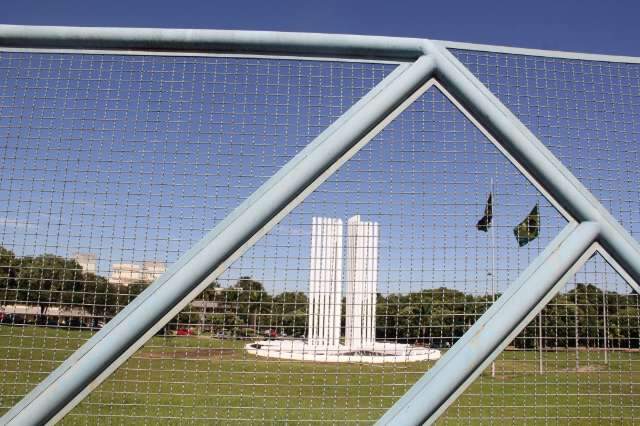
{"x": 441, "y": 385}
{"x": 483, "y": 342}
{"x": 533, "y": 156}
{"x": 133, "y": 326}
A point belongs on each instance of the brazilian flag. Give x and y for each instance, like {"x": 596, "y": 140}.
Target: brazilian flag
{"x": 485, "y": 222}
{"x": 529, "y": 229}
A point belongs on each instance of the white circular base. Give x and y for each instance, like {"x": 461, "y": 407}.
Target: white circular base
{"x": 375, "y": 353}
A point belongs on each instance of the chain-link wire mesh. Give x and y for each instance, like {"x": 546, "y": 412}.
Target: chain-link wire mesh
{"x": 586, "y": 112}
{"x": 113, "y": 165}
{"x": 587, "y": 363}
{"x": 425, "y": 180}
{"x": 576, "y": 362}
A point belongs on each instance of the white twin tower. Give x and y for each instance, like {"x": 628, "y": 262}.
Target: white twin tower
{"x": 325, "y": 282}
{"x": 323, "y": 342}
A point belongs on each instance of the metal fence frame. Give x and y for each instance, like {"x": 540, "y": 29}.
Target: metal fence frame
{"x": 422, "y": 63}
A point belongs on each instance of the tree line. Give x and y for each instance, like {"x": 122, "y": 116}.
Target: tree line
{"x": 576, "y": 318}
{"x": 436, "y": 317}
{"x": 49, "y": 280}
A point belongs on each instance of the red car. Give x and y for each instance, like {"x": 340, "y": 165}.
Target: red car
{"x": 271, "y": 333}
{"x": 184, "y": 332}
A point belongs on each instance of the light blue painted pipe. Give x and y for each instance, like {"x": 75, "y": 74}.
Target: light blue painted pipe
{"x": 459, "y": 366}
{"x": 149, "y": 311}
{"x": 265, "y": 42}
{"x": 212, "y": 41}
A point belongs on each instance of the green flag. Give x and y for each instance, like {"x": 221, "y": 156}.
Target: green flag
{"x": 529, "y": 228}
{"x": 485, "y": 222}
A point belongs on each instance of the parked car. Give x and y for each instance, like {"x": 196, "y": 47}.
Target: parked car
{"x": 13, "y": 319}
{"x": 184, "y": 332}
{"x": 49, "y": 322}
{"x": 76, "y": 323}
{"x": 271, "y": 333}
{"x": 96, "y": 325}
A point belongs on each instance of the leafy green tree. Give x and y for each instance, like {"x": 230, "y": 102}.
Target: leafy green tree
{"x": 185, "y": 319}
{"x": 248, "y": 301}
{"x": 127, "y": 294}
{"x": 49, "y": 280}
{"x": 8, "y": 274}
{"x": 211, "y": 293}
{"x": 228, "y": 323}
{"x": 558, "y": 324}
{"x": 251, "y": 303}
{"x": 289, "y": 312}
{"x": 249, "y": 284}
{"x": 100, "y": 297}
{"x": 624, "y": 328}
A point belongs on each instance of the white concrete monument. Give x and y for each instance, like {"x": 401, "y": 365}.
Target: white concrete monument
{"x": 362, "y": 280}
{"x": 325, "y": 302}
{"x": 325, "y": 282}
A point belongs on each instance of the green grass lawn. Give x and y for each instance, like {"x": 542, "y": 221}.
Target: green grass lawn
{"x": 205, "y": 380}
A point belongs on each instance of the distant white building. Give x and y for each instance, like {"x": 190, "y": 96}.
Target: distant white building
{"x": 125, "y": 273}
{"x": 129, "y": 273}
{"x": 31, "y": 312}
{"x": 151, "y": 270}
{"x": 87, "y": 261}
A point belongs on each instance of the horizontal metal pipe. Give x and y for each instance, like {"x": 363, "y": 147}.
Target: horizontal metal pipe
{"x": 130, "y": 327}
{"x": 506, "y": 317}
{"x": 535, "y": 158}
{"x": 543, "y": 53}
{"x": 259, "y": 42}
{"x": 160, "y": 39}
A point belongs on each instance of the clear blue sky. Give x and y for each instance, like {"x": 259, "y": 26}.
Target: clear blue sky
{"x": 121, "y": 226}
{"x": 586, "y": 26}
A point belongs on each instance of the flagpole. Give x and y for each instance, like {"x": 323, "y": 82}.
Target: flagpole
{"x": 540, "y": 362}
{"x": 493, "y": 259}
{"x": 540, "y": 328}
{"x": 606, "y": 327}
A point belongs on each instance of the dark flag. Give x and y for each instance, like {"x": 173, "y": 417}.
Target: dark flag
{"x": 484, "y": 223}
{"x": 529, "y": 228}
